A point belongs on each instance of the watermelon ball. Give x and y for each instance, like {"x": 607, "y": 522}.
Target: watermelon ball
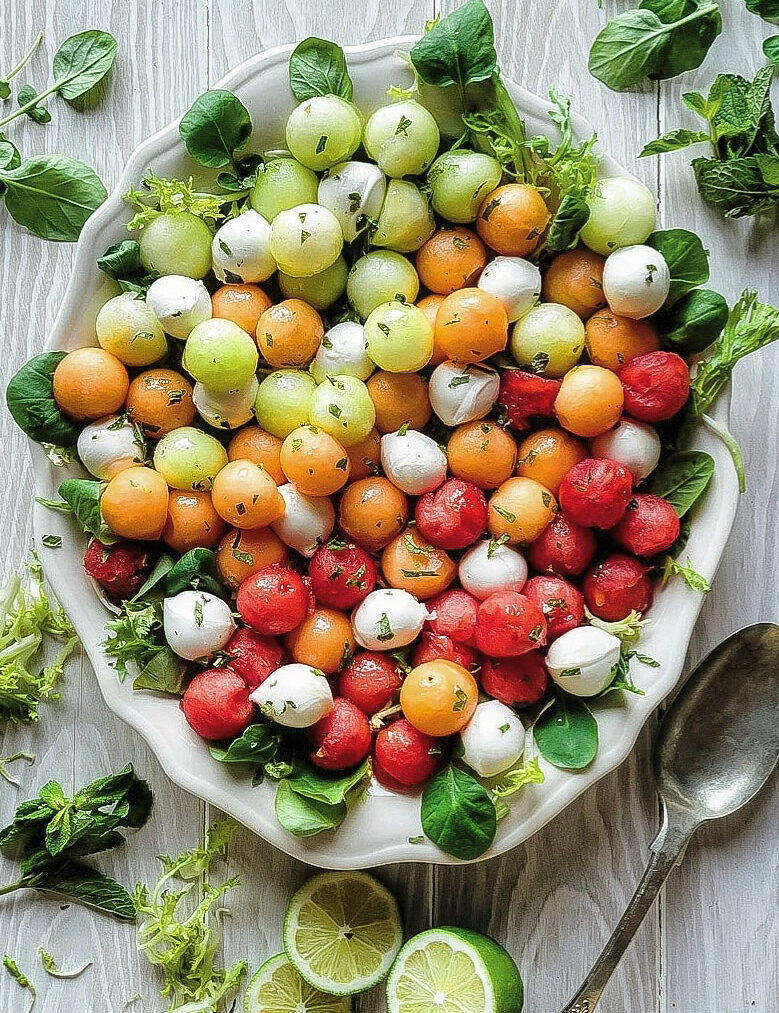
{"x": 273, "y": 600}
{"x": 404, "y": 757}
{"x": 342, "y": 737}
{"x": 435, "y": 646}
{"x": 253, "y": 656}
{"x": 452, "y": 516}
{"x": 656, "y": 386}
{"x": 119, "y": 569}
{"x": 559, "y": 600}
{"x": 528, "y": 399}
{"x": 454, "y": 615}
{"x": 649, "y": 526}
{"x": 508, "y": 624}
{"x": 516, "y": 682}
{"x": 563, "y": 547}
{"x": 617, "y": 586}
{"x": 595, "y": 492}
{"x": 216, "y": 704}
{"x": 369, "y": 681}
{"x": 341, "y": 575}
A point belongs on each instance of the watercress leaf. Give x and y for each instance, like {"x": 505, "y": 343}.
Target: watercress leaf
{"x": 257, "y": 745}
{"x": 682, "y": 478}
{"x": 771, "y": 49}
{"x": 768, "y": 10}
{"x": 314, "y": 785}
{"x": 82, "y": 61}
{"x": 674, "y": 140}
{"x": 735, "y": 188}
{"x": 165, "y": 672}
{"x": 9, "y": 155}
{"x": 30, "y": 400}
{"x": 37, "y": 113}
{"x": 216, "y": 126}
{"x": 196, "y": 570}
{"x": 52, "y": 195}
{"x": 83, "y": 496}
{"x": 459, "y": 50}
{"x": 567, "y": 734}
{"x": 695, "y": 321}
{"x": 78, "y": 882}
{"x": 122, "y": 260}
{"x": 318, "y": 67}
{"x": 305, "y": 817}
{"x": 458, "y": 814}
{"x": 160, "y": 570}
{"x": 687, "y": 259}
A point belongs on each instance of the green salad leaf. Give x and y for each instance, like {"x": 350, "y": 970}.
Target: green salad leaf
{"x": 691, "y": 577}
{"x": 256, "y": 746}
{"x": 687, "y": 259}
{"x": 195, "y": 571}
{"x": 458, "y": 814}
{"x": 215, "y": 127}
{"x": 52, "y": 195}
{"x": 458, "y": 50}
{"x": 682, "y": 478}
{"x": 82, "y": 61}
{"x": 20, "y": 978}
{"x": 318, "y": 67}
{"x": 694, "y": 322}
{"x": 768, "y": 10}
{"x": 51, "y": 966}
{"x": 30, "y": 400}
{"x": 567, "y": 733}
{"x": 5, "y": 80}
{"x": 83, "y": 497}
{"x": 303, "y": 816}
{"x": 27, "y": 98}
{"x": 309, "y": 802}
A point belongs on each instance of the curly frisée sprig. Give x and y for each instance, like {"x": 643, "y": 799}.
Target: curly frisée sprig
{"x": 163, "y": 196}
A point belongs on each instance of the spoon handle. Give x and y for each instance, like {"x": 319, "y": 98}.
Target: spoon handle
{"x": 677, "y": 829}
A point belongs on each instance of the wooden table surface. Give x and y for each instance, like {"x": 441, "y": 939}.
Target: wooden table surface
{"x": 710, "y": 944}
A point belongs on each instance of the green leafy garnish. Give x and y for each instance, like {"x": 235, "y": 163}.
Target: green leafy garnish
{"x": 20, "y": 978}
{"x": 172, "y": 196}
{"x": 687, "y": 259}
{"x": 82, "y": 495}
{"x": 215, "y": 127}
{"x": 566, "y": 733}
{"x": 30, "y": 400}
{"x": 458, "y": 814}
{"x": 691, "y": 577}
{"x": 318, "y": 67}
{"x": 512, "y": 780}
{"x": 5, "y": 81}
{"x": 13, "y": 758}
{"x": 309, "y": 802}
{"x": 51, "y": 967}
{"x": 682, "y": 478}
{"x": 694, "y": 322}
{"x": 627, "y": 630}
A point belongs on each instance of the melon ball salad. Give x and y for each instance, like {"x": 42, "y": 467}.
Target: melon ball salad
{"x": 385, "y": 438}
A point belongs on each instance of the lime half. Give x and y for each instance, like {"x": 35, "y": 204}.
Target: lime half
{"x": 454, "y": 971}
{"x": 342, "y": 931}
{"x": 278, "y": 988}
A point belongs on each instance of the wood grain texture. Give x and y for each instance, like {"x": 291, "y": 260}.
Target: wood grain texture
{"x": 553, "y": 901}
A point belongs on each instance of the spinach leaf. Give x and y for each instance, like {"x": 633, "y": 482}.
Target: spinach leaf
{"x": 686, "y": 257}
{"x": 459, "y": 50}
{"x": 82, "y": 61}
{"x": 318, "y": 67}
{"x": 165, "y": 672}
{"x": 30, "y": 400}
{"x": 458, "y": 814}
{"x": 122, "y": 262}
{"x": 196, "y": 570}
{"x": 9, "y": 155}
{"x": 216, "y": 126}
{"x": 771, "y": 49}
{"x": 83, "y": 497}
{"x": 567, "y": 734}
{"x": 27, "y": 97}
{"x": 305, "y": 817}
{"x": 310, "y": 783}
{"x": 256, "y": 746}
{"x": 695, "y": 321}
{"x": 682, "y": 478}
{"x": 674, "y": 140}
{"x": 52, "y": 195}
{"x": 160, "y": 570}
{"x": 768, "y": 10}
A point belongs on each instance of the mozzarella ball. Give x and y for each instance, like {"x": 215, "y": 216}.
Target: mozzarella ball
{"x": 342, "y": 351}
{"x": 308, "y": 521}
{"x": 227, "y": 410}
{"x": 387, "y": 619}
{"x": 493, "y": 740}
{"x": 354, "y": 192}
{"x": 110, "y": 445}
{"x": 514, "y": 281}
{"x": 179, "y": 303}
{"x": 306, "y": 240}
{"x": 622, "y": 212}
{"x": 635, "y": 445}
{"x": 296, "y": 696}
{"x": 462, "y": 395}
{"x": 582, "y": 661}
{"x": 196, "y": 624}
{"x": 488, "y": 567}
{"x": 240, "y": 250}
{"x": 412, "y": 461}
{"x": 636, "y": 281}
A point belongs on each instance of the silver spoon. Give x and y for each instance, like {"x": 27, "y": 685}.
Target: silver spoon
{"x": 717, "y": 746}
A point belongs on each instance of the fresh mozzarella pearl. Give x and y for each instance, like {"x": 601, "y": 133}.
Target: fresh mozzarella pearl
{"x": 636, "y": 445}
{"x": 514, "y": 281}
{"x": 110, "y": 445}
{"x": 636, "y": 281}
{"x": 229, "y": 410}
{"x": 296, "y": 696}
{"x": 413, "y": 462}
{"x": 388, "y": 619}
{"x": 196, "y": 624}
{"x": 240, "y": 250}
{"x": 462, "y": 395}
{"x": 179, "y": 303}
{"x": 308, "y": 521}
{"x": 582, "y": 661}
{"x": 354, "y": 192}
{"x": 342, "y": 351}
{"x": 486, "y": 568}
{"x": 493, "y": 740}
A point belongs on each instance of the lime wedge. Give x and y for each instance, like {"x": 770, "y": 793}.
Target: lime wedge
{"x": 454, "y": 971}
{"x": 278, "y": 988}
{"x": 342, "y": 931}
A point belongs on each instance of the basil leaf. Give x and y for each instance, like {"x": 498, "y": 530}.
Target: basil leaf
{"x": 165, "y": 672}
{"x": 305, "y": 817}
{"x": 257, "y": 745}
{"x": 458, "y": 814}
{"x": 83, "y": 497}
{"x": 459, "y": 50}
{"x": 686, "y": 257}
{"x": 682, "y": 478}
{"x": 332, "y": 790}
{"x": 695, "y": 321}
{"x": 82, "y": 61}
{"x": 216, "y": 126}
{"x": 78, "y": 882}
{"x": 674, "y": 140}
{"x": 52, "y": 196}
{"x": 196, "y": 570}
{"x": 37, "y": 113}
{"x": 318, "y": 67}
{"x": 567, "y": 734}
{"x": 30, "y": 400}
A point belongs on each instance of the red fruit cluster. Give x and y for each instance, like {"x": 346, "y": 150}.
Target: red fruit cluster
{"x": 119, "y": 569}
{"x": 452, "y": 516}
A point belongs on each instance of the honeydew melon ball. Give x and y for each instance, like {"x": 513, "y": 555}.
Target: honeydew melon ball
{"x": 402, "y": 138}
{"x": 406, "y": 220}
{"x": 188, "y": 458}
{"x": 318, "y": 290}
{"x": 176, "y": 244}
{"x": 622, "y": 213}
{"x": 282, "y": 183}
{"x": 305, "y": 240}
{"x": 460, "y": 180}
{"x": 283, "y": 401}
{"x": 323, "y": 131}
{"x": 129, "y": 329}
{"x": 220, "y": 355}
{"x": 399, "y": 337}
{"x": 548, "y": 339}
{"x": 378, "y": 277}
{"x": 342, "y": 407}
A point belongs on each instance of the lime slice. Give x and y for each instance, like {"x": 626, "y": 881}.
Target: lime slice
{"x": 278, "y": 988}
{"x": 454, "y": 971}
{"x": 342, "y": 931}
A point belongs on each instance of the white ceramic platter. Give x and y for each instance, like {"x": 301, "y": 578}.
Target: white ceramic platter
{"x": 378, "y": 831}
